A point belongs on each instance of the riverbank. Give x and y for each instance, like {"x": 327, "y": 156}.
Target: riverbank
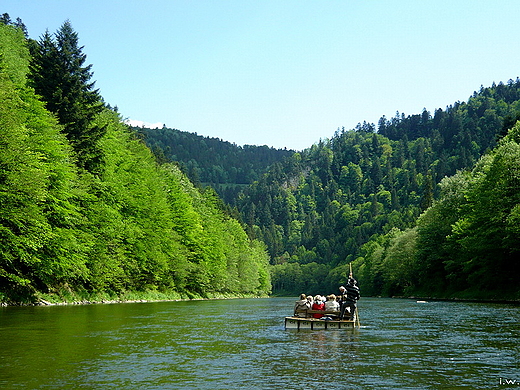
{"x": 476, "y": 294}
{"x": 84, "y": 298}
{"x": 455, "y": 299}
{"x": 70, "y": 298}
{"x": 470, "y": 295}
{"x": 476, "y": 298}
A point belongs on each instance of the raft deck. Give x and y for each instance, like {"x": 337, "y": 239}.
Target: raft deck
{"x": 329, "y": 321}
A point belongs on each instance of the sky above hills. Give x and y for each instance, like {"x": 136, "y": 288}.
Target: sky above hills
{"x": 284, "y": 73}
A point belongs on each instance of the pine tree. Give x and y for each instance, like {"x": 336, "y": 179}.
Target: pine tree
{"x": 59, "y": 76}
{"x": 5, "y": 18}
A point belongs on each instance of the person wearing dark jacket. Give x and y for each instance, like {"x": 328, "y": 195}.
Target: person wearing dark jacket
{"x": 349, "y": 299}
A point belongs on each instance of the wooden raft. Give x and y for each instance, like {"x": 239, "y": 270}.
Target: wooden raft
{"x": 329, "y": 321}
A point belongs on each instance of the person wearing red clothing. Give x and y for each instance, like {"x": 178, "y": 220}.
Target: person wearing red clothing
{"x": 318, "y": 305}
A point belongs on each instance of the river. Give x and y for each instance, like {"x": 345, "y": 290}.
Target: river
{"x": 242, "y": 344}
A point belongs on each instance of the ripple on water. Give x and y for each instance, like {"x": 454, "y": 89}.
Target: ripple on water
{"x": 241, "y": 344}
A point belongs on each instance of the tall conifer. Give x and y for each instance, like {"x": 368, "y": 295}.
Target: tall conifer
{"x": 60, "y": 77}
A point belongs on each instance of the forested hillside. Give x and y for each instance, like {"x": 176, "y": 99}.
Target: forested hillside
{"x": 365, "y": 196}
{"x": 210, "y": 161}
{"x": 424, "y": 204}
{"x": 368, "y": 198}
{"x": 84, "y": 207}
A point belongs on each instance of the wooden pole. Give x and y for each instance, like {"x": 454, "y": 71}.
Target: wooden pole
{"x": 357, "y": 314}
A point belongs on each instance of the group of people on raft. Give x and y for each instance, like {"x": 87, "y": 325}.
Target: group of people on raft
{"x": 344, "y": 303}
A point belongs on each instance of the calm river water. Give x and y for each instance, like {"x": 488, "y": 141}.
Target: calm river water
{"x": 242, "y": 344}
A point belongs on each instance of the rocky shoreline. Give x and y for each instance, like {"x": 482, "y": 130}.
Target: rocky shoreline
{"x": 43, "y": 302}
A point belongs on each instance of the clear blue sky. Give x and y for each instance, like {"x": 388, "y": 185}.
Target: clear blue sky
{"x": 284, "y": 73}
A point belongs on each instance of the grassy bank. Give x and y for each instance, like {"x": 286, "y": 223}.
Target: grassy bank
{"x": 67, "y": 297}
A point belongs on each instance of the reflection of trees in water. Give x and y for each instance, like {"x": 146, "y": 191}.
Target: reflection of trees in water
{"x": 315, "y": 356}
{"x": 332, "y": 347}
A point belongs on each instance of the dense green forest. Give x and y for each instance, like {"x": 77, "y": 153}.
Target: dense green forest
{"x": 413, "y": 206}
{"x": 398, "y": 201}
{"x": 424, "y": 204}
{"x": 207, "y": 161}
{"x": 85, "y": 208}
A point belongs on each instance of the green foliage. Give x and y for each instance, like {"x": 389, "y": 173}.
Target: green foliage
{"x": 468, "y": 240}
{"x": 437, "y": 269}
{"x": 227, "y": 167}
{"x": 59, "y": 76}
{"x": 344, "y": 199}
{"x": 130, "y": 227}
{"x": 488, "y": 228}
{"x": 5, "y": 19}
{"x": 14, "y": 54}
{"x": 399, "y": 266}
{"x": 36, "y": 179}
{"x": 427, "y": 205}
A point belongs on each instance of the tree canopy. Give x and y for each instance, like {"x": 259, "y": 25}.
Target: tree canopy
{"x": 424, "y": 204}
{"x": 386, "y": 198}
{"x": 59, "y": 75}
{"x": 363, "y": 197}
{"x": 74, "y": 224}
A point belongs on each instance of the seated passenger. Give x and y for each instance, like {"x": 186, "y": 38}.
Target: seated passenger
{"x": 318, "y": 305}
{"x": 331, "y": 304}
{"x": 301, "y": 304}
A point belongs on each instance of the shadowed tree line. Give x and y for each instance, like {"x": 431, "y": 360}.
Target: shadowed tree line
{"x": 410, "y": 203}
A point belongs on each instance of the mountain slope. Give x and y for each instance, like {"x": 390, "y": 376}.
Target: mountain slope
{"x": 341, "y": 200}
{"x": 225, "y": 166}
